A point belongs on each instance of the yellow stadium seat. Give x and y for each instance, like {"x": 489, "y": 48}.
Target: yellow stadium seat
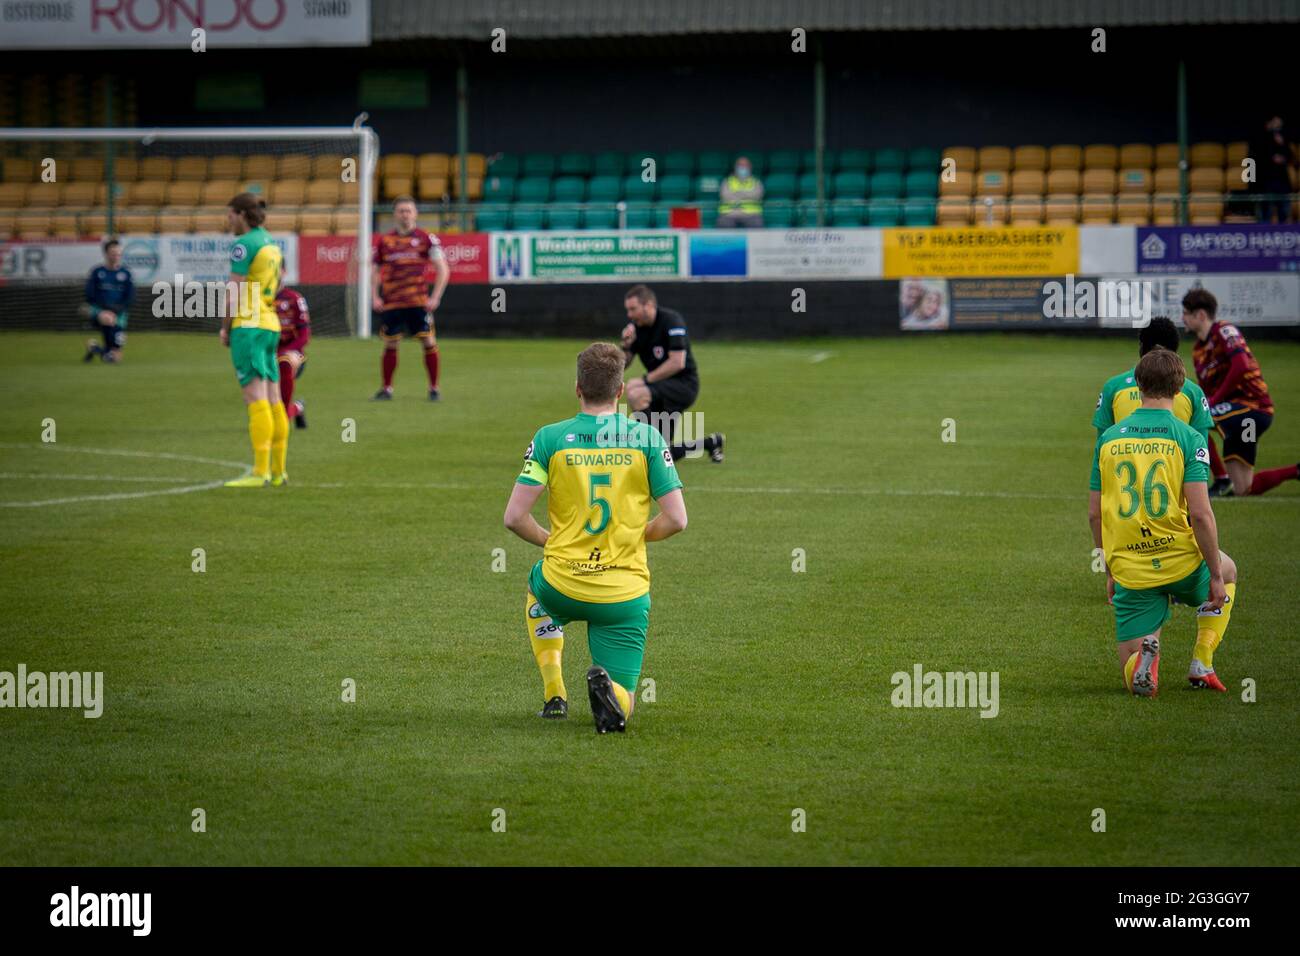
{"x": 192, "y": 169}
{"x": 210, "y": 219}
{"x": 1097, "y": 209}
{"x": 1166, "y": 180}
{"x": 1234, "y": 178}
{"x": 433, "y": 165}
{"x": 158, "y": 168}
{"x": 292, "y": 166}
{"x": 1236, "y": 152}
{"x": 1164, "y": 209}
{"x": 350, "y": 193}
{"x": 137, "y": 223}
{"x": 990, "y": 211}
{"x": 1029, "y": 158}
{"x": 1061, "y": 210}
{"x": 1026, "y": 210}
{"x": 1133, "y": 210}
{"x": 399, "y": 165}
{"x": 87, "y": 170}
{"x": 1063, "y": 182}
{"x": 1167, "y": 155}
{"x": 184, "y": 193}
{"x": 323, "y": 192}
{"x": 1136, "y": 156}
{"x": 6, "y": 224}
{"x": 345, "y": 221}
{"x": 81, "y": 194}
{"x": 994, "y": 182}
{"x": 953, "y": 212}
{"x": 1100, "y": 156}
{"x": 1204, "y": 209}
{"x": 962, "y": 183}
{"x": 64, "y": 225}
{"x": 41, "y": 194}
{"x": 92, "y": 224}
{"x": 473, "y": 188}
{"x": 1203, "y": 155}
{"x": 176, "y": 220}
{"x": 433, "y": 187}
{"x": 475, "y": 165}
{"x": 1098, "y": 182}
{"x": 146, "y": 192}
{"x": 218, "y": 192}
{"x": 287, "y": 192}
{"x": 258, "y": 166}
{"x": 1136, "y": 181}
{"x": 1205, "y": 180}
{"x": 963, "y": 157}
{"x": 1028, "y": 182}
{"x": 316, "y": 223}
{"x": 18, "y": 170}
{"x": 395, "y": 186}
{"x": 1064, "y": 156}
{"x": 993, "y": 158}
{"x": 226, "y": 167}
{"x": 32, "y": 224}
{"x": 13, "y": 195}
{"x": 327, "y": 167}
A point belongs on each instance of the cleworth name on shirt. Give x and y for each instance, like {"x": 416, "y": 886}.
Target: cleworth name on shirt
{"x": 77, "y": 690}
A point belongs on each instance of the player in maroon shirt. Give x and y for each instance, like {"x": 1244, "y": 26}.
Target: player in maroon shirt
{"x": 1238, "y": 398}
{"x": 401, "y": 292}
{"x": 295, "y": 333}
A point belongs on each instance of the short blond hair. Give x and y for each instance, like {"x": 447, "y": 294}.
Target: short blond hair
{"x": 600, "y": 372}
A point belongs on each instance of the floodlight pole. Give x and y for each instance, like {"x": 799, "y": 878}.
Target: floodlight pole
{"x": 819, "y": 131}
{"x": 462, "y": 141}
{"x": 108, "y": 153}
{"x": 1182, "y": 143}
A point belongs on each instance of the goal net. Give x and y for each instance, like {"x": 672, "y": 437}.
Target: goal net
{"x": 163, "y": 194}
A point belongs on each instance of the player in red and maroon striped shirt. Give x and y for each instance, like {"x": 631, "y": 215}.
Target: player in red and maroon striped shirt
{"x": 295, "y": 333}
{"x": 1238, "y": 398}
{"x": 401, "y": 292}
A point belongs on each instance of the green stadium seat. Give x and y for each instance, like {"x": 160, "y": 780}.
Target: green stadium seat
{"x": 569, "y": 189}
{"x": 660, "y": 216}
{"x": 708, "y": 216}
{"x": 849, "y": 184}
{"x": 706, "y": 188}
{"x": 780, "y": 215}
{"x": 780, "y": 186}
{"x": 924, "y": 158}
{"x": 678, "y": 163}
{"x": 504, "y": 165}
{"x": 918, "y": 212}
{"x": 538, "y": 164}
{"x": 887, "y": 185}
{"x": 921, "y": 183}
{"x": 884, "y": 212}
{"x": 600, "y": 218}
{"x": 808, "y": 160}
{"x": 492, "y": 217}
{"x": 634, "y": 162}
{"x": 637, "y": 189}
{"x": 888, "y": 160}
{"x": 674, "y": 189}
{"x": 845, "y": 213}
{"x": 713, "y": 162}
{"x": 527, "y": 217}
{"x": 807, "y": 212}
{"x": 605, "y": 189}
{"x": 640, "y": 215}
{"x": 534, "y": 189}
{"x": 783, "y": 161}
{"x": 607, "y": 164}
{"x": 573, "y": 164}
{"x": 568, "y": 219}
{"x": 855, "y": 159}
{"x": 499, "y": 189}
{"x": 808, "y": 184}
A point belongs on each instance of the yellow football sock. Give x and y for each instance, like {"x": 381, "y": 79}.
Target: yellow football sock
{"x": 547, "y": 639}
{"x": 1210, "y": 628}
{"x": 279, "y": 438}
{"x": 259, "y": 432}
{"x": 624, "y": 698}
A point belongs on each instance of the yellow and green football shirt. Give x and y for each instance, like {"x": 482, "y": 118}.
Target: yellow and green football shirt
{"x": 600, "y": 473}
{"x": 257, "y": 258}
{"x": 1120, "y": 398}
{"x": 1140, "y": 466}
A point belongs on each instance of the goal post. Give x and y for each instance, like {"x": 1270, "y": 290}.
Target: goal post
{"x": 150, "y": 188}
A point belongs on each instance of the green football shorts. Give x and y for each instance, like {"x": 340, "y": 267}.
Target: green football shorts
{"x": 253, "y": 352}
{"x": 615, "y": 632}
{"x": 1144, "y": 611}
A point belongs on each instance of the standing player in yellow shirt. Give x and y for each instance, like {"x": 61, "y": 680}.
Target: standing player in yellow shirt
{"x": 251, "y": 330}
{"x": 1150, "y": 513}
{"x": 601, "y": 470}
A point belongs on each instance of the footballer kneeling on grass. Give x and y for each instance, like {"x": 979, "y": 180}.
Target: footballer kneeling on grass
{"x": 601, "y": 470}
{"x": 1149, "y": 508}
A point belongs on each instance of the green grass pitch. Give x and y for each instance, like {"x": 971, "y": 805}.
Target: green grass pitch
{"x": 223, "y": 688}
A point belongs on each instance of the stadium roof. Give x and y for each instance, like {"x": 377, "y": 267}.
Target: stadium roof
{"x": 555, "y": 19}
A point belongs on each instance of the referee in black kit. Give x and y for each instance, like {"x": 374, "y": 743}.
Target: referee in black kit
{"x": 671, "y": 384}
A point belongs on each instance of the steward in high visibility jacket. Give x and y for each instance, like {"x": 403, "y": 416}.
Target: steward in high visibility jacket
{"x": 741, "y": 198}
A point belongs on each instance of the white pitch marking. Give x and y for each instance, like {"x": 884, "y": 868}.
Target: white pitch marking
{"x": 820, "y": 357}
{"x": 58, "y": 477}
